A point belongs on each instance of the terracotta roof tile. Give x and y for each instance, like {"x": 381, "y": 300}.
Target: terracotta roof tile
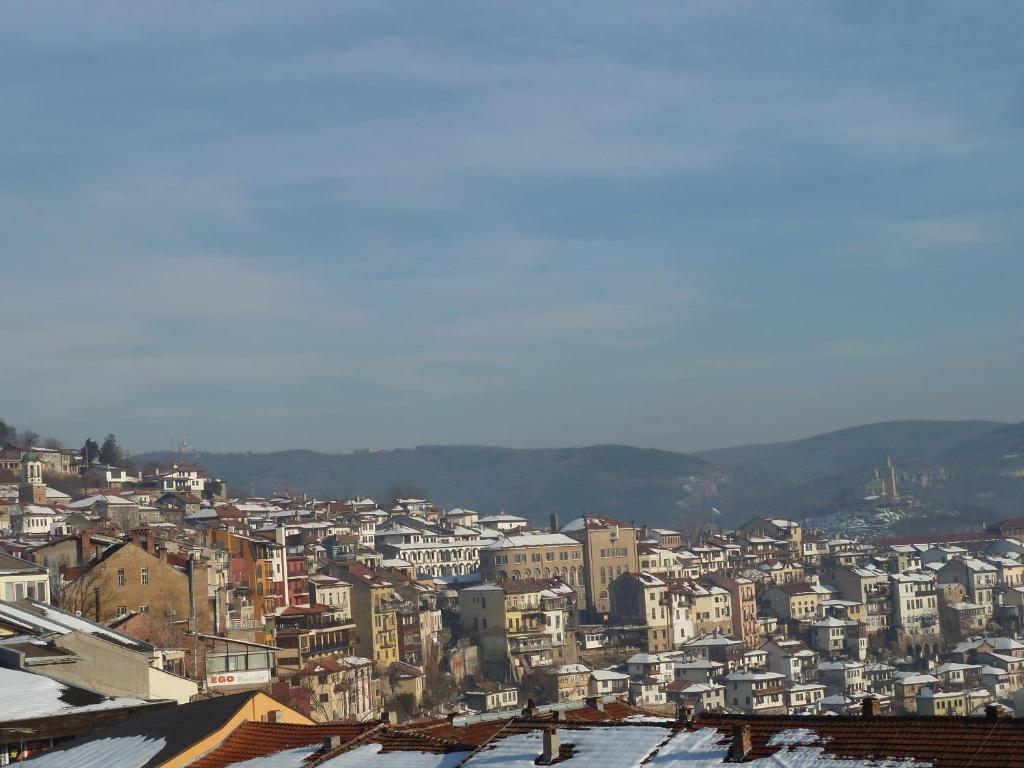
{"x": 252, "y": 739}
{"x": 945, "y": 742}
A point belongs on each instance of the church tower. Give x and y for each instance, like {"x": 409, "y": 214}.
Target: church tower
{"x": 32, "y": 489}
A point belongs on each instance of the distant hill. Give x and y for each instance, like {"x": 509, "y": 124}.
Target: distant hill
{"x": 645, "y": 484}
{"x": 908, "y": 442}
{"x": 800, "y": 478}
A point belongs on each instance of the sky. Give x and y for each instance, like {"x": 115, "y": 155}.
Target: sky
{"x": 681, "y": 225}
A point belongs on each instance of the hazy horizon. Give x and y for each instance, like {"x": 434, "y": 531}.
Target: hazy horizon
{"x": 385, "y": 225}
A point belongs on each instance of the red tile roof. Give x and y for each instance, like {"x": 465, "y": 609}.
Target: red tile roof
{"x": 252, "y": 739}
{"x": 945, "y": 742}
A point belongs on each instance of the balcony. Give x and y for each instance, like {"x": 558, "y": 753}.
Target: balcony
{"x": 244, "y": 624}
{"x": 528, "y": 645}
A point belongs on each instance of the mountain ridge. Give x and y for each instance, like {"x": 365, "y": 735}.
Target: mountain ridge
{"x": 659, "y": 487}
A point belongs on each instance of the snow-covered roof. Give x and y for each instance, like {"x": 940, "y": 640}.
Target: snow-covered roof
{"x": 25, "y": 695}
{"x": 114, "y": 752}
{"x": 514, "y": 541}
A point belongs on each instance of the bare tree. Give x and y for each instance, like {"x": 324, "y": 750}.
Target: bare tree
{"x": 82, "y": 595}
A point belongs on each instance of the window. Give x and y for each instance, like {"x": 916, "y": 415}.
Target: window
{"x": 121, "y": 610}
{"x": 144, "y": 576}
{"x": 120, "y": 577}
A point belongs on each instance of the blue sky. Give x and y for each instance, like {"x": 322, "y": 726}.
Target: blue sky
{"x": 680, "y": 225}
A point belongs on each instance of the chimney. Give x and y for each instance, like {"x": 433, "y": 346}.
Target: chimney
{"x": 390, "y": 717}
{"x": 551, "y": 746}
{"x": 274, "y": 716}
{"x": 684, "y": 713}
{"x": 554, "y": 522}
{"x": 332, "y": 743}
{"x": 740, "y": 746}
{"x": 991, "y": 711}
{"x": 531, "y": 708}
{"x": 596, "y": 702}
{"x": 871, "y": 707}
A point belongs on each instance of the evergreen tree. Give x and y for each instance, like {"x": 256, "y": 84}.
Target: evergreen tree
{"x": 110, "y": 451}
{"x": 90, "y": 451}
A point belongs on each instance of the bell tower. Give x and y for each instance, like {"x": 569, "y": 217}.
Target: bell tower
{"x": 32, "y": 489}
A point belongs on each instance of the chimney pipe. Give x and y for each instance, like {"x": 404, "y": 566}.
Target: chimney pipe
{"x": 871, "y": 707}
{"x": 554, "y": 522}
{"x": 991, "y": 712}
{"x": 684, "y": 713}
{"x": 331, "y": 743}
{"x": 740, "y": 746}
{"x": 551, "y": 746}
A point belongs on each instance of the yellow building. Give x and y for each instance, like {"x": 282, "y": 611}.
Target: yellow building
{"x": 609, "y": 550}
{"x": 374, "y": 607}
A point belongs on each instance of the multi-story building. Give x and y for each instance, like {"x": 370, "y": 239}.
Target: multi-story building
{"x": 710, "y": 607}
{"x": 977, "y": 576}
{"x": 743, "y": 595}
{"x": 258, "y": 574}
{"x": 841, "y": 676}
{"x": 915, "y": 604}
{"x": 519, "y": 625}
{"x": 455, "y": 553}
{"x": 305, "y": 633}
{"x": 568, "y": 682}
{"x": 797, "y": 601}
{"x": 789, "y": 532}
{"x": 609, "y": 550}
{"x": 839, "y": 637}
{"x": 127, "y": 578}
{"x": 793, "y": 659}
{"x": 534, "y": 556}
{"x": 868, "y": 585}
{"x": 374, "y": 610}
{"x": 758, "y": 693}
{"x": 643, "y": 599}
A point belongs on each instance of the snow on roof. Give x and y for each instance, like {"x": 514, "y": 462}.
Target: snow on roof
{"x": 364, "y": 755}
{"x": 608, "y": 674}
{"x": 286, "y": 758}
{"x": 24, "y": 695}
{"x": 119, "y": 752}
{"x": 517, "y": 540}
{"x": 604, "y": 746}
{"x": 645, "y": 658}
{"x": 49, "y": 619}
{"x": 502, "y": 518}
{"x": 754, "y": 676}
{"x": 801, "y": 748}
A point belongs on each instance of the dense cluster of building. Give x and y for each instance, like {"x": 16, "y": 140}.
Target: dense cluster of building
{"x": 143, "y": 591}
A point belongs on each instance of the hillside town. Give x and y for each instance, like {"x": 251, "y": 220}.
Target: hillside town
{"x": 144, "y": 598}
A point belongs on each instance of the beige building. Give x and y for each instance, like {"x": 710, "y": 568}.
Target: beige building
{"x": 609, "y": 550}
{"x": 569, "y": 682}
{"x": 128, "y": 578}
{"x": 533, "y": 556}
{"x": 519, "y": 625}
{"x": 794, "y": 601}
